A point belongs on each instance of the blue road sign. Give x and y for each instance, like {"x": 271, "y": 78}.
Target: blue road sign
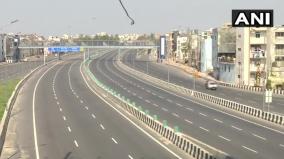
{"x": 64, "y": 49}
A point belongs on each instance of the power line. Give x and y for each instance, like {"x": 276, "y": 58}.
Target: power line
{"x": 132, "y": 20}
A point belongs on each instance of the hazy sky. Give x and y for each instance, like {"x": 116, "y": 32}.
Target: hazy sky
{"x": 55, "y": 17}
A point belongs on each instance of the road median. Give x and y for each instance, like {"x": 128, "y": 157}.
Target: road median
{"x": 183, "y": 142}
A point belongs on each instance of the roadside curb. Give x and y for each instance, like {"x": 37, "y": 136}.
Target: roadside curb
{"x": 230, "y": 85}
{"x": 245, "y": 109}
{"x": 181, "y": 141}
{"x": 9, "y": 106}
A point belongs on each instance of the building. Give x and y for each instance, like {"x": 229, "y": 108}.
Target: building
{"x": 206, "y": 52}
{"x": 6, "y": 51}
{"x": 171, "y": 40}
{"x": 260, "y": 56}
{"x": 194, "y": 50}
{"x": 224, "y": 53}
{"x": 181, "y": 54}
{"x": 2, "y": 55}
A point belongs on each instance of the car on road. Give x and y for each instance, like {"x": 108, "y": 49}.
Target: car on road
{"x": 211, "y": 85}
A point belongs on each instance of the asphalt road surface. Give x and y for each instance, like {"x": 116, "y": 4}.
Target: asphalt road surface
{"x": 70, "y": 121}
{"x": 181, "y": 78}
{"x": 235, "y": 136}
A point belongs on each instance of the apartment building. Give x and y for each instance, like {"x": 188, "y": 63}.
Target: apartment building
{"x": 181, "y": 55}
{"x": 224, "y": 53}
{"x": 194, "y": 52}
{"x": 206, "y": 51}
{"x": 260, "y": 56}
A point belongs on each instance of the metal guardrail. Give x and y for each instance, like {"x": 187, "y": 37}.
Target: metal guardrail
{"x": 249, "y": 110}
{"x": 178, "y": 139}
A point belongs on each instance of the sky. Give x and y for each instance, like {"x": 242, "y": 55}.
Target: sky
{"x": 57, "y": 17}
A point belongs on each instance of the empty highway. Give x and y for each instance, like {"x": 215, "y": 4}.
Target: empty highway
{"x": 57, "y": 116}
{"x": 182, "y": 78}
{"x": 239, "y": 138}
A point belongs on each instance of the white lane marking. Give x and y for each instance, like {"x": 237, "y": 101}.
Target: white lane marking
{"x": 130, "y": 157}
{"x": 169, "y": 100}
{"x": 140, "y": 97}
{"x": 55, "y": 97}
{"x": 156, "y": 105}
{"x": 164, "y": 109}
{"x": 76, "y": 144}
{"x": 143, "y": 88}
{"x": 224, "y": 138}
{"x": 93, "y": 116}
{"x": 134, "y": 94}
{"x": 179, "y": 105}
{"x": 252, "y": 101}
{"x": 133, "y": 123}
{"x": 161, "y": 97}
{"x": 57, "y": 103}
{"x": 69, "y": 77}
{"x": 252, "y": 150}
{"x": 147, "y": 101}
{"x": 204, "y": 129}
{"x": 281, "y": 145}
{"x": 81, "y": 101}
{"x": 202, "y": 114}
{"x": 34, "y": 120}
{"x": 190, "y": 122}
{"x": 87, "y": 108}
{"x": 148, "y": 91}
{"x": 102, "y": 126}
{"x": 209, "y": 107}
{"x": 262, "y": 138}
{"x": 236, "y": 128}
{"x": 154, "y": 93}
{"x": 176, "y": 115}
{"x": 69, "y": 129}
{"x": 77, "y": 96}
{"x": 189, "y": 109}
{"x": 60, "y": 109}
{"x": 219, "y": 121}
{"x": 64, "y": 118}
{"x": 114, "y": 140}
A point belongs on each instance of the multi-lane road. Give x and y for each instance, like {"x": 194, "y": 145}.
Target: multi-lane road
{"x": 184, "y": 79}
{"x": 239, "y": 138}
{"x": 57, "y": 115}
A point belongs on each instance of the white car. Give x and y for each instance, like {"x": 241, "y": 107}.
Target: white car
{"x": 211, "y": 85}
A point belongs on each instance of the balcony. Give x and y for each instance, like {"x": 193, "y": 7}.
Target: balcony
{"x": 226, "y": 60}
{"x": 258, "y": 41}
{"x": 257, "y": 55}
{"x": 279, "y": 40}
{"x": 279, "y": 52}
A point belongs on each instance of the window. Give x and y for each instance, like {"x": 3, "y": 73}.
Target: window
{"x": 239, "y": 49}
{"x": 229, "y": 69}
{"x": 279, "y": 34}
{"x": 279, "y": 47}
{"x": 257, "y": 34}
{"x": 239, "y": 35}
{"x": 225, "y": 68}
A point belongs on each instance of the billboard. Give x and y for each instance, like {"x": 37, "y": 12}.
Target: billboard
{"x": 162, "y": 46}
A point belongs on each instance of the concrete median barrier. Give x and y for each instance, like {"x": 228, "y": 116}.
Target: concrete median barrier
{"x": 249, "y": 110}
{"x": 182, "y": 141}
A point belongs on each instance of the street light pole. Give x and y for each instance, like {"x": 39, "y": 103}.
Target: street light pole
{"x": 168, "y": 74}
